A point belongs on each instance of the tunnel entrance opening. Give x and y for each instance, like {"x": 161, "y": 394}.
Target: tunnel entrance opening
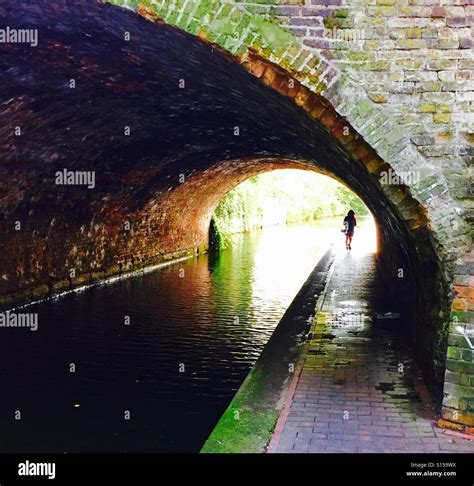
{"x": 290, "y": 196}
{"x": 264, "y": 201}
{"x": 402, "y": 296}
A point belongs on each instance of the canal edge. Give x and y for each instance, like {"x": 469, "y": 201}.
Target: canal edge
{"x": 250, "y": 420}
{"x": 276, "y": 435}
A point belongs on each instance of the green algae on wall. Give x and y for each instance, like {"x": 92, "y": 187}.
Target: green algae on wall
{"x": 247, "y": 424}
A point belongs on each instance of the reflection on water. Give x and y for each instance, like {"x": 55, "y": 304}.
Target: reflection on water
{"x": 191, "y": 339}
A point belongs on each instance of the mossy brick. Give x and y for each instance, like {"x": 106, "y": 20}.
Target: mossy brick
{"x": 248, "y": 40}
{"x": 444, "y": 108}
{"x": 183, "y": 19}
{"x": 441, "y": 64}
{"x": 194, "y": 26}
{"x": 462, "y": 392}
{"x": 313, "y": 62}
{"x": 346, "y": 23}
{"x": 244, "y": 23}
{"x": 300, "y": 60}
{"x": 341, "y": 12}
{"x": 377, "y": 66}
{"x": 272, "y": 35}
{"x": 427, "y": 108}
{"x": 441, "y": 118}
{"x": 412, "y": 44}
{"x": 458, "y": 341}
{"x": 412, "y": 11}
{"x": 229, "y": 43}
{"x": 269, "y": 2}
{"x": 459, "y": 366}
{"x": 465, "y": 380}
{"x": 376, "y": 44}
{"x": 237, "y": 16}
{"x": 294, "y": 49}
{"x": 359, "y": 56}
{"x": 178, "y": 6}
{"x": 463, "y": 404}
{"x": 204, "y": 7}
{"x": 466, "y": 355}
{"x": 173, "y": 17}
{"x": 332, "y": 23}
{"x": 413, "y": 33}
{"x": 189, "y": 8}
{"x": 364, "y": 107}
{"x": 381, "y": 11}
{"x": 463, "y": 317}
{"x": 163, "y": 7}
{"x": 225, "y": 11}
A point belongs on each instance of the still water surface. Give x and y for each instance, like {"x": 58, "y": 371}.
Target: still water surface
{"x": 191, "y": 340}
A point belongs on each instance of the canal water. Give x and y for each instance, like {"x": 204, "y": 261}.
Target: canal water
{"x": 149, "y": 363}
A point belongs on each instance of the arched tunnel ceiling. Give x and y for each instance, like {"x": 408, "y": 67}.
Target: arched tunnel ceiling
{"x": 135, "y": 84}
{"x": 174, "y": 130}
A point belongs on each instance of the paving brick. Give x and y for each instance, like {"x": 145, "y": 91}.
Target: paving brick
{"x": 356, "y": 416}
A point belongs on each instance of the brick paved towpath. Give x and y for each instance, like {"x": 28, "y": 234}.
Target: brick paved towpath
{"x": 353, "y": 390}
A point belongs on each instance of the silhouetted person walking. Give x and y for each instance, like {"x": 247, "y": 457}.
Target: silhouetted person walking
{"x": 350, "y": 223}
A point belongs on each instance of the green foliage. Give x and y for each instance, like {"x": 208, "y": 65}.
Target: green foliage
{"x": 280, "y": 197}
{"x": 350, "y": 200}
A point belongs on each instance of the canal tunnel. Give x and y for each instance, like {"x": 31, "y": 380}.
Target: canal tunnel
{"x": 162, "y": 125}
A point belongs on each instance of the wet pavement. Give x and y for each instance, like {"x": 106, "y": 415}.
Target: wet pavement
{"x": 355, "y": 388}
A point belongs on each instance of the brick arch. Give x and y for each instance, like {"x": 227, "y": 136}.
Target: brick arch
{"x": 139, "y": 181}
{"x": 324, "y": 91}
{"x": 339, "y": 101}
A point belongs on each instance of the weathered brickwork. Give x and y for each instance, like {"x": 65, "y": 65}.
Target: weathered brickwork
{"x": 400, "y": 71}
{"x": 398, "y": 99}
